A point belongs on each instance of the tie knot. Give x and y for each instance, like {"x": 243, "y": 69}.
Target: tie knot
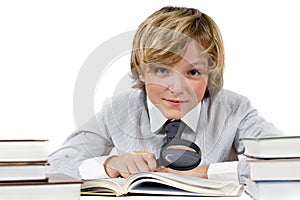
{"x": 171, "y": 128}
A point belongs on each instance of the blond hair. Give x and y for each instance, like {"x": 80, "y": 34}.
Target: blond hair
{"x": 164, "y": 36}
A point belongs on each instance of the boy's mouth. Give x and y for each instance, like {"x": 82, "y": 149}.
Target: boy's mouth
{"x": 174, "y": 102}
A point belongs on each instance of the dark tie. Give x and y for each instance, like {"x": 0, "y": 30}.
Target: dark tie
{"x": 171, "y": 128}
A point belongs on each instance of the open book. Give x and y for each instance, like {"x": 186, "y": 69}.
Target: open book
{"x": 159, "y": 183}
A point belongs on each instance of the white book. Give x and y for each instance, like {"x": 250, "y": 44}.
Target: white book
{"x": 274, "y": 169}
{"x": 56, "y": 187}
{"x": 273, "y": 190}
{"x": 159, "y": 183}
{"x": 20, "y": 171}
{"x": 272, "y": 147}
{"x": 23, "y": 150}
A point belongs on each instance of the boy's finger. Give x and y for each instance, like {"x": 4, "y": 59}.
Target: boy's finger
{"x": 151, "y": 161}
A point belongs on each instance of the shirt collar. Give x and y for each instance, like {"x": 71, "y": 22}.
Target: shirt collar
{"x": 157, "y": 119}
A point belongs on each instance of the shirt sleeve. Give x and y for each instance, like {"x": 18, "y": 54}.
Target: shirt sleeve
{"x": 93, "y": 168}
{"x": 225, "y": 171}
{"x": 91, "y": 140}
{"x": 252, "y": 125}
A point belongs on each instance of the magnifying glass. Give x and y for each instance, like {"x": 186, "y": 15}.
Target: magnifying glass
{"x": 179, "y": 154}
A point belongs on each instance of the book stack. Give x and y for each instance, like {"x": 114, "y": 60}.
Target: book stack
{"x": 23, "y": 175}
{"x": 23, "y": 160}
{"x": 274, "y": 167}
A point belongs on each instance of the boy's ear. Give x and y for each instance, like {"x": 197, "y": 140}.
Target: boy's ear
{"x": 141, "y": 77}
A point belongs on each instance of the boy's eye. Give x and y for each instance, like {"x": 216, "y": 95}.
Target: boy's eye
{"x": 194, "y": 73}
{"x": 161, "y": 70}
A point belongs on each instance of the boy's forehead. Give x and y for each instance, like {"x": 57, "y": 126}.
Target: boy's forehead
{"x": 200, "y": 63}
{"x": 195, "y": 54}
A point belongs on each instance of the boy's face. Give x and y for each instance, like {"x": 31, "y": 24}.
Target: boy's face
{"x": 176, "y": 89}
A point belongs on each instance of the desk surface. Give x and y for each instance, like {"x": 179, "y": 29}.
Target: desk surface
{"x": 244, "y": 196}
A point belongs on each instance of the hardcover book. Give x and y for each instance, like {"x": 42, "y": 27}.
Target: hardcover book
{"x": 275, "y": 169}
{"x": 20, "y": 171}
{"x": 272, "y": 147}
{"x": 273, "y": 190}
{"x": 23, "y": 150}
{"x": 56, "y": 186}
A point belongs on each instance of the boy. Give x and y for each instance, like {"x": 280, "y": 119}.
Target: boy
{"x": 177, "y": 64}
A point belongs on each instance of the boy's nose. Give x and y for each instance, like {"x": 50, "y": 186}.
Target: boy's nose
{"x": 176, "y": 85}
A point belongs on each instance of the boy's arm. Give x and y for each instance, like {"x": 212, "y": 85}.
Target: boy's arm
{"x": 78, "y": 148}
{"x": 92, "y": 140}
{"x": 93, "y": 168}
{"x": 226, "y": 171}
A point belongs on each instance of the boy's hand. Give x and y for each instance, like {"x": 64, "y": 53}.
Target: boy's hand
{"x": 130, "y": 163}
{"x": 200, "y": 171}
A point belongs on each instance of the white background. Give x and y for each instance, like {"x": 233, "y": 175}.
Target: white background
{"x": 43, "y": 45}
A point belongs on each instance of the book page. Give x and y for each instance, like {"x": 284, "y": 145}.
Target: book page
{"x": 151, "y": 186}
{"x": 190, "y": 180}
{"x": 161, "y": 183}
{"x": 142, "y": 181}
{"x": 107, "y": 186}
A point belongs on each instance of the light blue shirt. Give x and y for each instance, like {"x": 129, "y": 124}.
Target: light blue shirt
{"x": 125, "y": 124}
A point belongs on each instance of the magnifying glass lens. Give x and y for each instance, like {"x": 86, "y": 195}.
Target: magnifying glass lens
{"x": 178, "y": 156}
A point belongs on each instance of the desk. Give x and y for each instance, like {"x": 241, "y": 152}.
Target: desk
{"x": 244, "y": 196}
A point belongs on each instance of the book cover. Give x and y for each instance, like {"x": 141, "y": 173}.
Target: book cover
{"x": 273, "y": 190}
{"x": 274, "y": 169}
{"x": 56, "y": 186}
{"x": 21, "y": 171}
{"x": 272, "y": 147}
{"x": 23, "y": 150}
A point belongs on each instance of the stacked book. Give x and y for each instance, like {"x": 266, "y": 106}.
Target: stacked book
{"x": 23, "y": 160}
{"x": 23, "y": 175}
{"x": 274, "y": 167}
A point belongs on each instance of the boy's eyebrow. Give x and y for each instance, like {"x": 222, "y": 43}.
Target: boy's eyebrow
{"x": 201, "y": 64}
{"x": 197, "y": 63}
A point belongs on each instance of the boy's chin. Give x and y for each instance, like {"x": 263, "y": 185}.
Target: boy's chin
{"x": 173, "y": 115}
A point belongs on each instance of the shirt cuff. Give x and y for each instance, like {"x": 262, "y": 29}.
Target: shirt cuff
{"x": 224, "y": 171}
{"x": 93, "y": 168}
